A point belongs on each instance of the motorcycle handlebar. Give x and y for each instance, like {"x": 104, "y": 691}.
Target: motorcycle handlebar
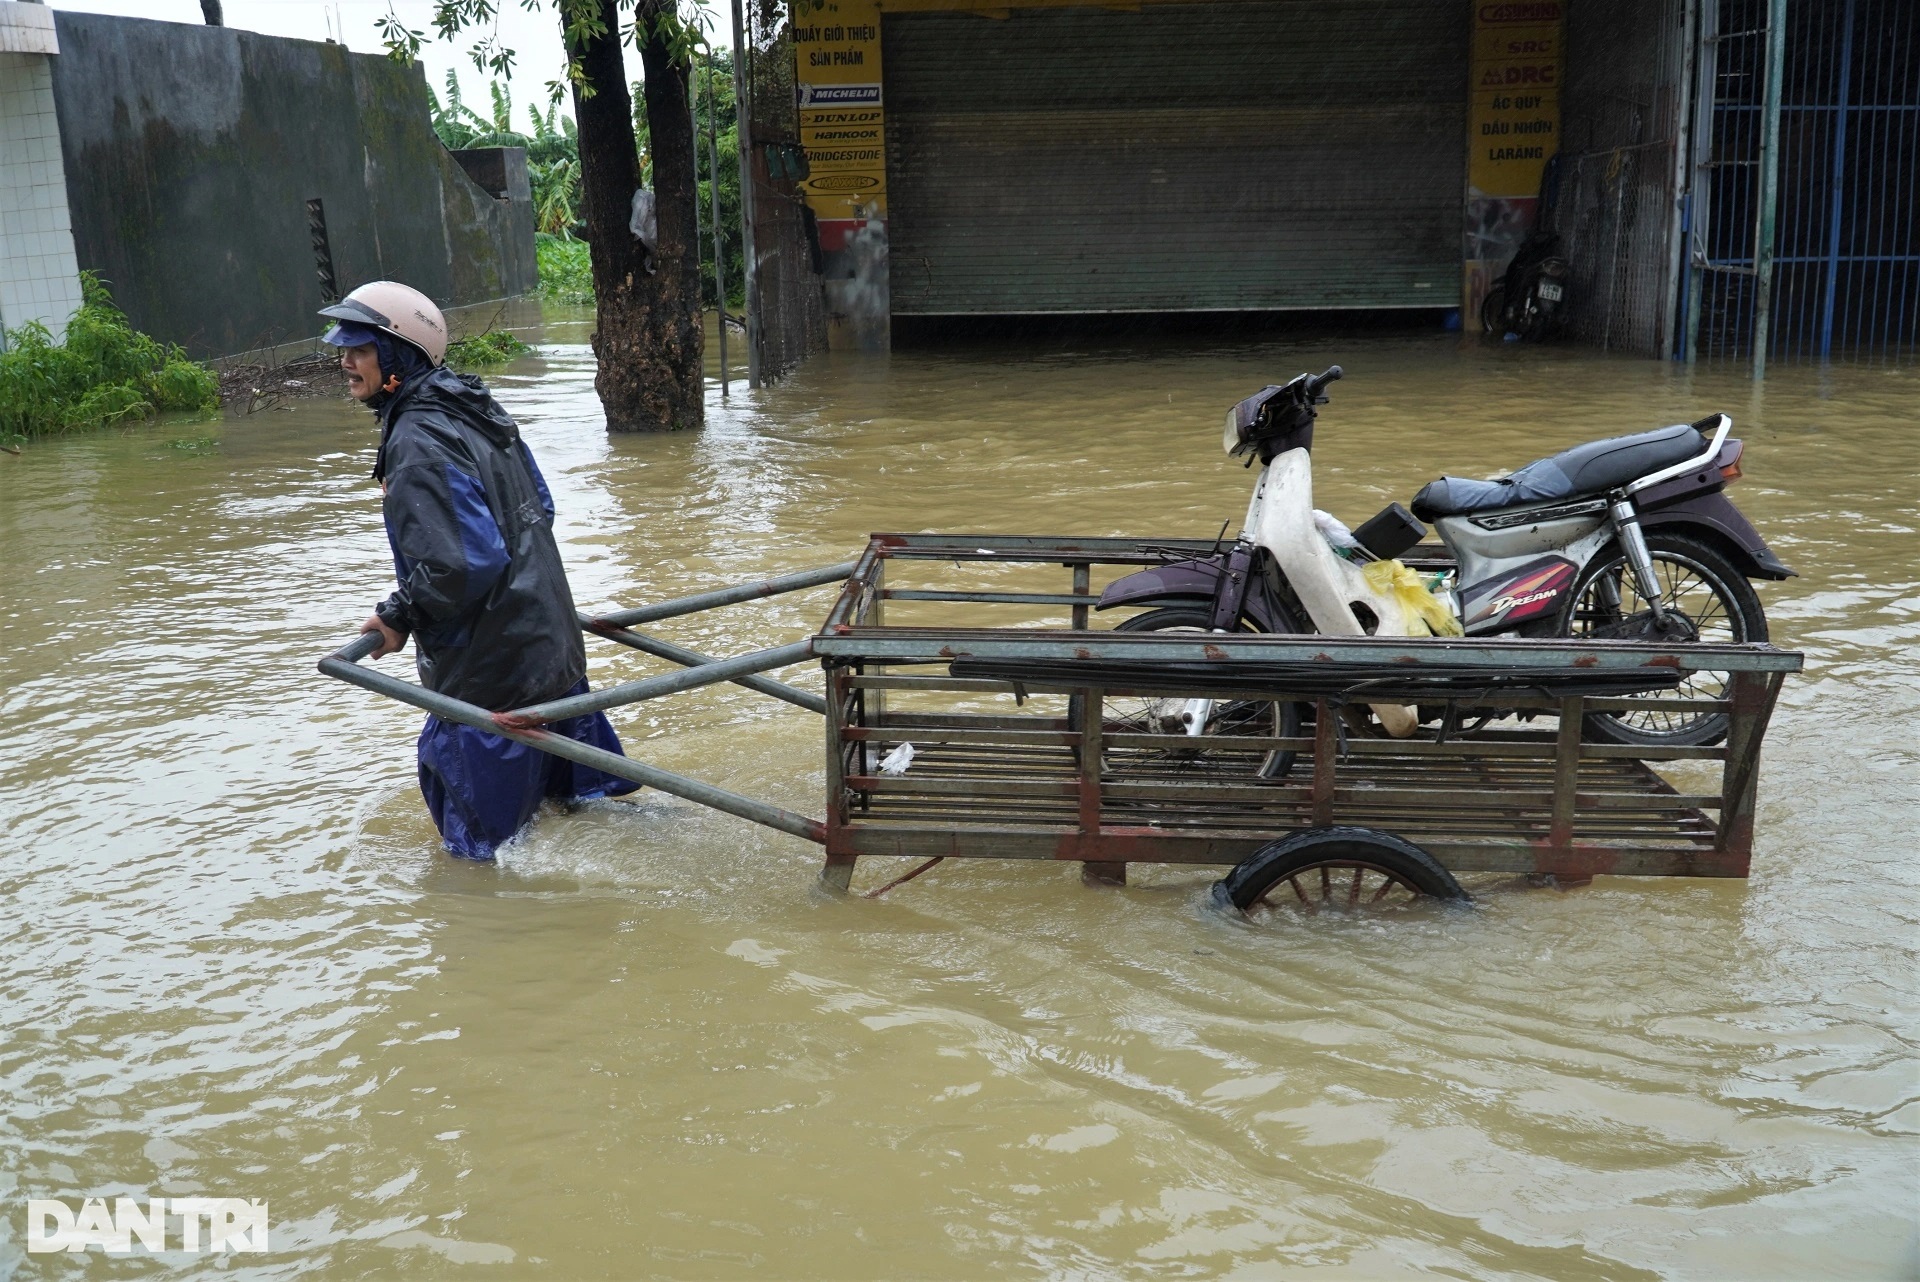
{"x": 1318, "y": 383}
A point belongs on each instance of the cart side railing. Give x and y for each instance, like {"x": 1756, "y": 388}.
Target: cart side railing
{"x": 1518, "y": 800}
{"x": 1037, "y": 786}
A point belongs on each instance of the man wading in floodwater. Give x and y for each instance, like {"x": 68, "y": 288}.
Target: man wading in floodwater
{"x": 481, "y": 588}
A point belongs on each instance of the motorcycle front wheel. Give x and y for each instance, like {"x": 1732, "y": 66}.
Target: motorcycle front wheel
{"x": 1140, "y": 714}
{"x": 1705, "y": 599}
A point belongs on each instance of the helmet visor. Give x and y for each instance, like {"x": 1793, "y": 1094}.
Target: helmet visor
{"x": 347, "y": 334}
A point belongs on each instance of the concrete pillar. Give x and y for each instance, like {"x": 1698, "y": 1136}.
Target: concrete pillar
{"x": 39, "y": 277}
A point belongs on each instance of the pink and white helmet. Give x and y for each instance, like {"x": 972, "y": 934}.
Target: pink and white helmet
{"x": 396, "y": 309}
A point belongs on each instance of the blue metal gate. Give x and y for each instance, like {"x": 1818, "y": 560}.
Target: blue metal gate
{"x": 1802, "y": 213}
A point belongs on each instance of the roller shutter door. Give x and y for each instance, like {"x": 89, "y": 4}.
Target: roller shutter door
{"x": 1247, "y": 155}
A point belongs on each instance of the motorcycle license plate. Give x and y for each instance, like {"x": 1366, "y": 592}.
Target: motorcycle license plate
{"x": 1550, "y": 291}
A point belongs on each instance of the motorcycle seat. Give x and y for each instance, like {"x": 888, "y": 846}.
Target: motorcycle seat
{"x": 1593, "y": 468}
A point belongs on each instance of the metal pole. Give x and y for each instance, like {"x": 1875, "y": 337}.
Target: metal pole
{"x": 539, "y": 714}
{"x": 693, "y": 119}
{"x": 1839, "y": 183}
{"x": 1700, "y": 205}
{"x": 728, "y": 596}
{"x": 357, "y": 649}
{"x": 693, "y": 659}
{"x": 1766, "y": 216}
{"x": 719, "y": 245}
{"x": 742, "y": 99}
{"x": 1673, "y": 312}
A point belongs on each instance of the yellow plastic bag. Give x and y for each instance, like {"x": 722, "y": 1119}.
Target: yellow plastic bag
{"x": 1391, "y": 578}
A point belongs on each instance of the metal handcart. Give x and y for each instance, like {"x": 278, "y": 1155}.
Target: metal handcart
{"x": 1018, "y": 752}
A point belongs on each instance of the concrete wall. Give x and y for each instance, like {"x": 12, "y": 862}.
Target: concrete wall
{"x": 39, "y": 280}
{"x": 191, "y": 153}
{"x": 500, "y": 171}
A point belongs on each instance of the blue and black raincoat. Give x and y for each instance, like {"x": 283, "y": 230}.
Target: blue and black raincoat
{"x": 482, "y": 591}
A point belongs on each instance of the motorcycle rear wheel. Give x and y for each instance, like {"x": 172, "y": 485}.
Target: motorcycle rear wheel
{"x": 1707, "y": 600}
{"x": 1491, "y": 307}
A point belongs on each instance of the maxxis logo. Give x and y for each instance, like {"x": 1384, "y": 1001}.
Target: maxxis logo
{"x": 840, "y": 182}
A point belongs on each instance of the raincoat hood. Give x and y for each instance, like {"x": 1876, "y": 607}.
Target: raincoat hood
{"x": 458, "y": 396}
{"x": 462, "y": 396}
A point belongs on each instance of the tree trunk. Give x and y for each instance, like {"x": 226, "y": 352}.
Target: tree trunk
{"x": 676, "y": 187}
{"x": 647, "y": 336}
{"x": 210, "y": 10}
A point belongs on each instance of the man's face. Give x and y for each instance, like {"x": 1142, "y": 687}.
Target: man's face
{"x": 362, "y": 365}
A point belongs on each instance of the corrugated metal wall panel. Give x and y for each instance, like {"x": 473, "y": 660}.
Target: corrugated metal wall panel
{"x": 1622, "y": 107}
{"x": 1249, "y": 155}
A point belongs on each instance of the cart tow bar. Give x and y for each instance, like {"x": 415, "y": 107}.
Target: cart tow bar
{"x": 523, "y": 724}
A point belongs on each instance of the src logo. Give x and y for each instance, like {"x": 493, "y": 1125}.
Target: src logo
{"x": 1509, "y": 602}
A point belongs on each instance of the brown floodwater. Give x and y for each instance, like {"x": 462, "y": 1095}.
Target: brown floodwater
{"x": 235, "y": 963}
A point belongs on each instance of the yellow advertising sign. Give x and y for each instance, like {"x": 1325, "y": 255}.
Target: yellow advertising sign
{"x": 1513, "y": 125}
{"x": 842, "y": 127}
{"x": 837, "y": 83}
{"x": 836, "y": 42}
{"x": 1514, "y": 118}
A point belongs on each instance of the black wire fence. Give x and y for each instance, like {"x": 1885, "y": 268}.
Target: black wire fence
{"x": 1623, "y": 105}
{"x": 789, "y": 308}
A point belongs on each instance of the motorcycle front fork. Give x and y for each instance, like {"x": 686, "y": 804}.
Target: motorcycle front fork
{"x": 1633, "y": 542}
{"x": 1195, "y": 715}
{"x": 1229, "y": 602}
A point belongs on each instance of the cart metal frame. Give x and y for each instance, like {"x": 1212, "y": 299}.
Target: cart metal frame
{"x": 1016, "y": 782}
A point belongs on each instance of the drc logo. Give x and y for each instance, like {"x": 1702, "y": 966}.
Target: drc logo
{"x": 230, "y": 1224}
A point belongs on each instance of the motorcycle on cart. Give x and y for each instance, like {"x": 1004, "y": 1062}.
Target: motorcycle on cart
{"x": 1630, "y": 538}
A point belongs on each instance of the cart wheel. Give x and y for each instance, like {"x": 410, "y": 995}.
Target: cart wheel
{"x": 1339, "y": 867}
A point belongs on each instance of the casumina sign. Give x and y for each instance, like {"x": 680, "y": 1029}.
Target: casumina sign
{"x": 1536, "y": 11}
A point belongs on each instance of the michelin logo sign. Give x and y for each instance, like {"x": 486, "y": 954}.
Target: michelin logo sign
{"x": 839, "y": 95}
